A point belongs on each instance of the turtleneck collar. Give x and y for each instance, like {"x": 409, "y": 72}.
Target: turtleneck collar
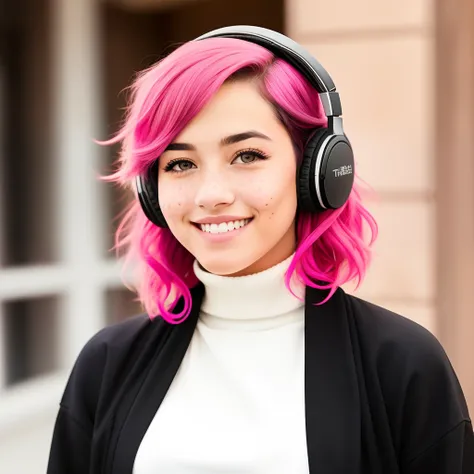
{"x": 258, "y": 296}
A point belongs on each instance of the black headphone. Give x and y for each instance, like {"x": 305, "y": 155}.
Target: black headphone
{"x": 326, "y": 174}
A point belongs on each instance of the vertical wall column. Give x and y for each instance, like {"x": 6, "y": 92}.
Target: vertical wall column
{"x": 455, "y": 181}
{"x": 379, "y": 54}
{"x": 3, "y": 355}
{"x": 77, "y": 118}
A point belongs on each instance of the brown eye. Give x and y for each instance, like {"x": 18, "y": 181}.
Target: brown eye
{"x": 183, "y": 165}
{"x": 247, "y": 157}
{"x": 250, "y": 156}
{"x": 179, "y": 166}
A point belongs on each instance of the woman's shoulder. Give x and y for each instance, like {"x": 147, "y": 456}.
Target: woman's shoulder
{"x": 384, "y": 330}
{"x": 119, "y": 336}
{"x": 121, "y": 332}
{"x": 400, "y": 347}
{"x": 114, "y": 343}
{"x": 106, "y": 357}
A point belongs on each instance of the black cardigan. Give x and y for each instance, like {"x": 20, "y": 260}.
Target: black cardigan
{"x": 381, "y": 395}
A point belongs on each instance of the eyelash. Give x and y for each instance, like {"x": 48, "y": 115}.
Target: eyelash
{"x": 250, "y": 151}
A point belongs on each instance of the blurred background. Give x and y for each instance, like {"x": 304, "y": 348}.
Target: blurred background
{"x": 405, "y": 72}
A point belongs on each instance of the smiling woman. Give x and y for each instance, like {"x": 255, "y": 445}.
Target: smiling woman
{"x": 250, "y": 358}
{"x": 212, "y": 102}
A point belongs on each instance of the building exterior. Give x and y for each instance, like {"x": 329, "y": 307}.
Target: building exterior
{"x": 404, "y": 69}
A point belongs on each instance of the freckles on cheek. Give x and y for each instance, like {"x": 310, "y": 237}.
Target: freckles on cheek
{"x": 269, "y": 201}
{"x": 172, "y": 200}
{"x": 269, "y": 205}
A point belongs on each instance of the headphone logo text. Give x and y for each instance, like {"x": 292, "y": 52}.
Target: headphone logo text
{"x": 342, "y": 171}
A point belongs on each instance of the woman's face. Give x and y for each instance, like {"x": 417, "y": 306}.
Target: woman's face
{"x": 227, "y": 184}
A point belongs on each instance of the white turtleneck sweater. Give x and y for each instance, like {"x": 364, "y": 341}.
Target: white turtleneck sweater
{"x": 237, "y": 402}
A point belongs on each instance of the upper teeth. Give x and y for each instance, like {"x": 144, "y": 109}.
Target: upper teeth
{"x": 224, "y": 226}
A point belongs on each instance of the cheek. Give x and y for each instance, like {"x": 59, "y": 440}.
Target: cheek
{"x": 272, "y": 195}
{"x": 174, "y": 199}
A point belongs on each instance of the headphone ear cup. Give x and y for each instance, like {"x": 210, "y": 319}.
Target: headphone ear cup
{"x": 159, "y": 218}
{"x": 306, "y": 187}
{"x": 147, "y": 190}
{"x": 336, "y": 172}
{"x": 326, "y": 175}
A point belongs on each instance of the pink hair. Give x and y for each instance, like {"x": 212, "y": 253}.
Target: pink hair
{"x": 332, "y": 247}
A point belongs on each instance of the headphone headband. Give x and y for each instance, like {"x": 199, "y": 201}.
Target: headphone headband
{"x": 291, "y": 52}
{"x": 326, "y": 173}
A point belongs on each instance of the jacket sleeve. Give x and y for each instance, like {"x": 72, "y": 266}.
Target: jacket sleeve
{"x": 452, "y": 454}
{"x": 70, "y": 450}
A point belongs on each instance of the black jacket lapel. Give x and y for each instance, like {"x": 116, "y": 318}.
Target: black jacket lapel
{"x": 333, "y": 423}
{"x": 155, "y": 386}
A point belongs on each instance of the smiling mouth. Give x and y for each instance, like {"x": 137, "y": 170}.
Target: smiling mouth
{"x": 223, "y": 227}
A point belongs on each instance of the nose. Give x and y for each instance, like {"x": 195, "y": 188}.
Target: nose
{"x": 214, "y": 192}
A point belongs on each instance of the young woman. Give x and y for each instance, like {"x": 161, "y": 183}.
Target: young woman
{"x": 250, "y": 357}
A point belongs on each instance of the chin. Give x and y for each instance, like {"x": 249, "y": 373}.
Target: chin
{"x": 224, "y": 267}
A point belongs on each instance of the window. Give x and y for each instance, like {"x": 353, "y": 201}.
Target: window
{"x": 30, "y": 338}
{"x": 57, "y": 284}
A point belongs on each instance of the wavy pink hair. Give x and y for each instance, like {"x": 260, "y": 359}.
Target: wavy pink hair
{"x": 333, "y": 247}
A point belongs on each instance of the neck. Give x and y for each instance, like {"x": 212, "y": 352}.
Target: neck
{"x": 258, "y": 296}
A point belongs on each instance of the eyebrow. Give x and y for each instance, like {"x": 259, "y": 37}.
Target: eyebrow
{"x": 230, "y": 140}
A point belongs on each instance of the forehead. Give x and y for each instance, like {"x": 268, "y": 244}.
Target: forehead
{"x": 236, "y": 107}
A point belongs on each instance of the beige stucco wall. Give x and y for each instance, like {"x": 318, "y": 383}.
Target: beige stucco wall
{"x": 380, "y": 55}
